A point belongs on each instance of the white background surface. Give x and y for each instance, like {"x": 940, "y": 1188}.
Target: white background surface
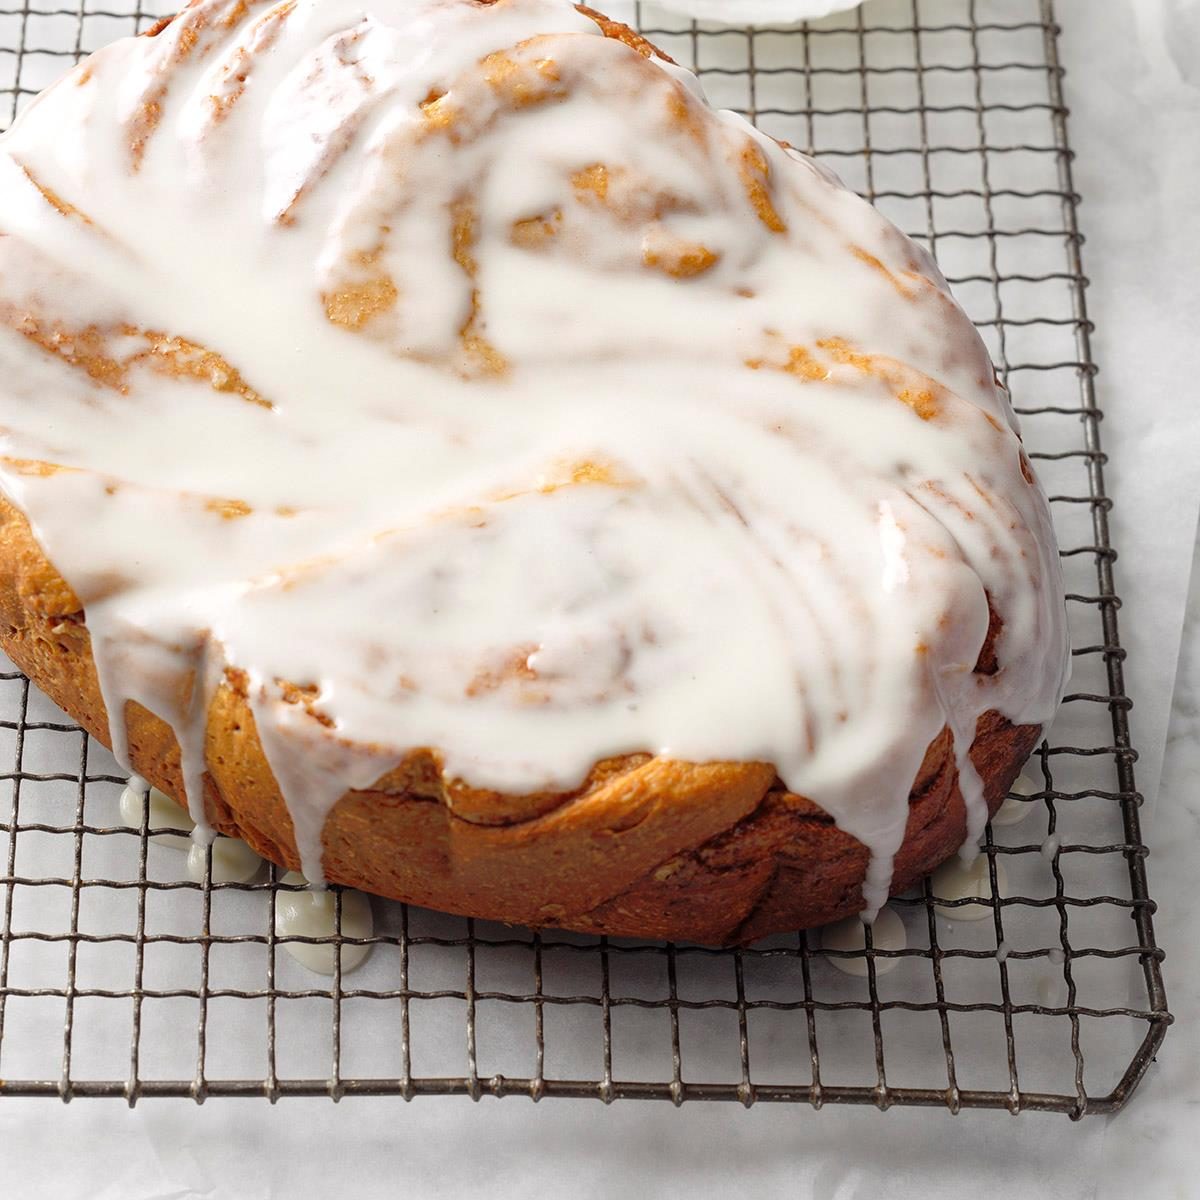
{"x": 1134, "y": 88}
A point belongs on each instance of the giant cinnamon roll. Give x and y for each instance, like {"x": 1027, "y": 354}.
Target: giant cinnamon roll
{"x": 440, "y": 449}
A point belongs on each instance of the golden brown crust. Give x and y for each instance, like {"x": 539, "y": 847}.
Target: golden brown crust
{"x": 714, "y": 852}
{"x": 647, "y": 847}
{"x": 622, "y": 33}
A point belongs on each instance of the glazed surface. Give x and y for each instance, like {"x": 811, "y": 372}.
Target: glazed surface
{"x": 450, "y": 378}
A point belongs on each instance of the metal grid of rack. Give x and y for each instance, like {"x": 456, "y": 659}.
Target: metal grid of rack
{"x": 121, "y": 977}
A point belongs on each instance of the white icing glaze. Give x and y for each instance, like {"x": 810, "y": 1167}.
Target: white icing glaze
{"x": 1011, "y": 812}
{"x": 314, "y": 914}
{"x": 1014, "y": 811}
{"x": 1025, "y": 785}
{"x": 1050, "y": 847}
{"x": 956, "y": 880}
{"x": 887, "y": 933}
{"x": 232, "y": 861}
{"x": 460, "y": 366}
{"x": 164, "y": 813}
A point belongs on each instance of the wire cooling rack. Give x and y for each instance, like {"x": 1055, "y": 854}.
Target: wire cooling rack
{"x": 121, "y": 977}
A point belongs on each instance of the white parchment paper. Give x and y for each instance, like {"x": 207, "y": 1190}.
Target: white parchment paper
{"x": 1133, "y": 88}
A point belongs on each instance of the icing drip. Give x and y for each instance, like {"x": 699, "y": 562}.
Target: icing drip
{"x": 956, "y": 880}
{"x": 1013, "y": 811}
{"x": 314, "y": 914}
{"x": 451, "y": 376}
{"x": 887, "y": 933}
{"x": 232, "y": 861}
{"x": 139, "y": 800}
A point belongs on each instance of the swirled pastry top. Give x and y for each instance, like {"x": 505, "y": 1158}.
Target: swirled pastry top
{"x": 455, "y": 373}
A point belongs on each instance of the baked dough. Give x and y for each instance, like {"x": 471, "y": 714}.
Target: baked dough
{"x": 646, "y": 844}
